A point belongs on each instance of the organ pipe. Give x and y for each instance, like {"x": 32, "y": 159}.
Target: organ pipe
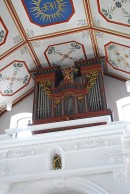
{"x": 54, "y": 97}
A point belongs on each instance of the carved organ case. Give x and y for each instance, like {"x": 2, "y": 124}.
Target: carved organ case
{"x": 69, "y": 92}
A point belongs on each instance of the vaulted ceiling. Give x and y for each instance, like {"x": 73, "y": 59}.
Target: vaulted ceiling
{"x": 42, "y": 33}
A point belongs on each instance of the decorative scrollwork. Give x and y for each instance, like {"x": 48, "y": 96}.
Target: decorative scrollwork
{"x": 52, "y": 93}
{"x": 80, "y": 98}
{"x": 57, "y": 101}
{"x": 46, "y": 87}
{"x": 91, "y": 77}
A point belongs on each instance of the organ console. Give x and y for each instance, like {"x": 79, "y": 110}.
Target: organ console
{"x": 65, "y": 93}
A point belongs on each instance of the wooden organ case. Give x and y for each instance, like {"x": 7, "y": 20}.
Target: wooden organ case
{"x": 70, "y": 92}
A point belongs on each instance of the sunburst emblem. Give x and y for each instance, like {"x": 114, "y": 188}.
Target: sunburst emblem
{"x": 49, "y": 11}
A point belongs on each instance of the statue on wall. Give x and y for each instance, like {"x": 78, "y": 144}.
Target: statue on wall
{"x": 57, "y": 164}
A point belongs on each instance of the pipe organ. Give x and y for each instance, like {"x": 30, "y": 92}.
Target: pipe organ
{"x": 63, "y": 93}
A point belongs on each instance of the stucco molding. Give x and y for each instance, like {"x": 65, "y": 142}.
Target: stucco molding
{"x": 76, "y": 184}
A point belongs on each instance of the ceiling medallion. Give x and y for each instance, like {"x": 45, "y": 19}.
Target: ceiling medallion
{"x": 48, "y": 12}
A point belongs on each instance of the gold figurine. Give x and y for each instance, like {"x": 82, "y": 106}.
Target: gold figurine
{"x": 57, "y": 162}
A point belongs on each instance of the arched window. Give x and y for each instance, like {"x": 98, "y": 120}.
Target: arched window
{"x": 21, "y": 120}
{"x": 123, "y": 107}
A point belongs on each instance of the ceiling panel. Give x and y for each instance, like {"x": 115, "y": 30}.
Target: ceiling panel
{"x": 64, "y": 50}
{"x": 42, "y": 18}
{"x": 112, "y": 15}
{"x": 10, "y": 36}
{"x": 43, "y": 33}
{"x": 117, "y": 52}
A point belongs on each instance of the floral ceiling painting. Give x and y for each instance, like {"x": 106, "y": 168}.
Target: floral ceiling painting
{"x": 3, "y": 32}
{"x": 118, "y": 56}
{"x": 115, "y": 11}
{"x": 36, "y": 34}
{"x": 65, "y": 53}
{"x": 13, "y": 78}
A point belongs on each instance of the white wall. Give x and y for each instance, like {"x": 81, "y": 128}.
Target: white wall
{"x": 95, "y": 160}
{"x": 115, "y": 90}
{"x": 25, "y": 105}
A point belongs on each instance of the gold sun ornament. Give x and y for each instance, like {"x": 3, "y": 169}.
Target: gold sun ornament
{"x": 48, "y": 11}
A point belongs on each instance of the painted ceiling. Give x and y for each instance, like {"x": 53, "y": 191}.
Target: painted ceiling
{"x": 42, "y": 33}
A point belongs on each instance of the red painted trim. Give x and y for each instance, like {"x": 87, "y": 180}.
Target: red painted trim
{"x": 94, "y": 58}
{"x": 99, "y": 10}
{"x": 60, "y": 33}
{"x": 111, "y": 32}
{"x": 12, "y": 50}
{"x": 17, "y": 20}
{"x": 111, "y": 42}
{"x": 12, "y": 63}
{"x": 107, "y": 60}
{"x": 93, "y": 39}
{"x": 67, "y": 128}
{"x": 64, "y": 43}
{"x": 115, "y": 76}
{"x": 74, "y": 116}
{"x": 89, "y": 13}
{"x": 43, "y": 68}
{"x": 1, "y": 21}
{"x": 73, "y": 11}
{"x": 20, "y": 87}
{"x": 117, "y": 68}
{"x": 85, "y": 4}
{"x": 66, "y": 92}
{"x": 90, "y": 21}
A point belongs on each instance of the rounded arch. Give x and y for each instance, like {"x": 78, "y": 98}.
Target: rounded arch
{"x": 77, "y": 184}
{"x": 21, "y": 120}
{"x": 17, "y": 117}
{"x": 123, "y": 107}
{"x": 84, "y": 186}
{"x": 51, "y": 151}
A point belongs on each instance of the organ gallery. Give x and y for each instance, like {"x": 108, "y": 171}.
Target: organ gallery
{"x": 65, "y": 93}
